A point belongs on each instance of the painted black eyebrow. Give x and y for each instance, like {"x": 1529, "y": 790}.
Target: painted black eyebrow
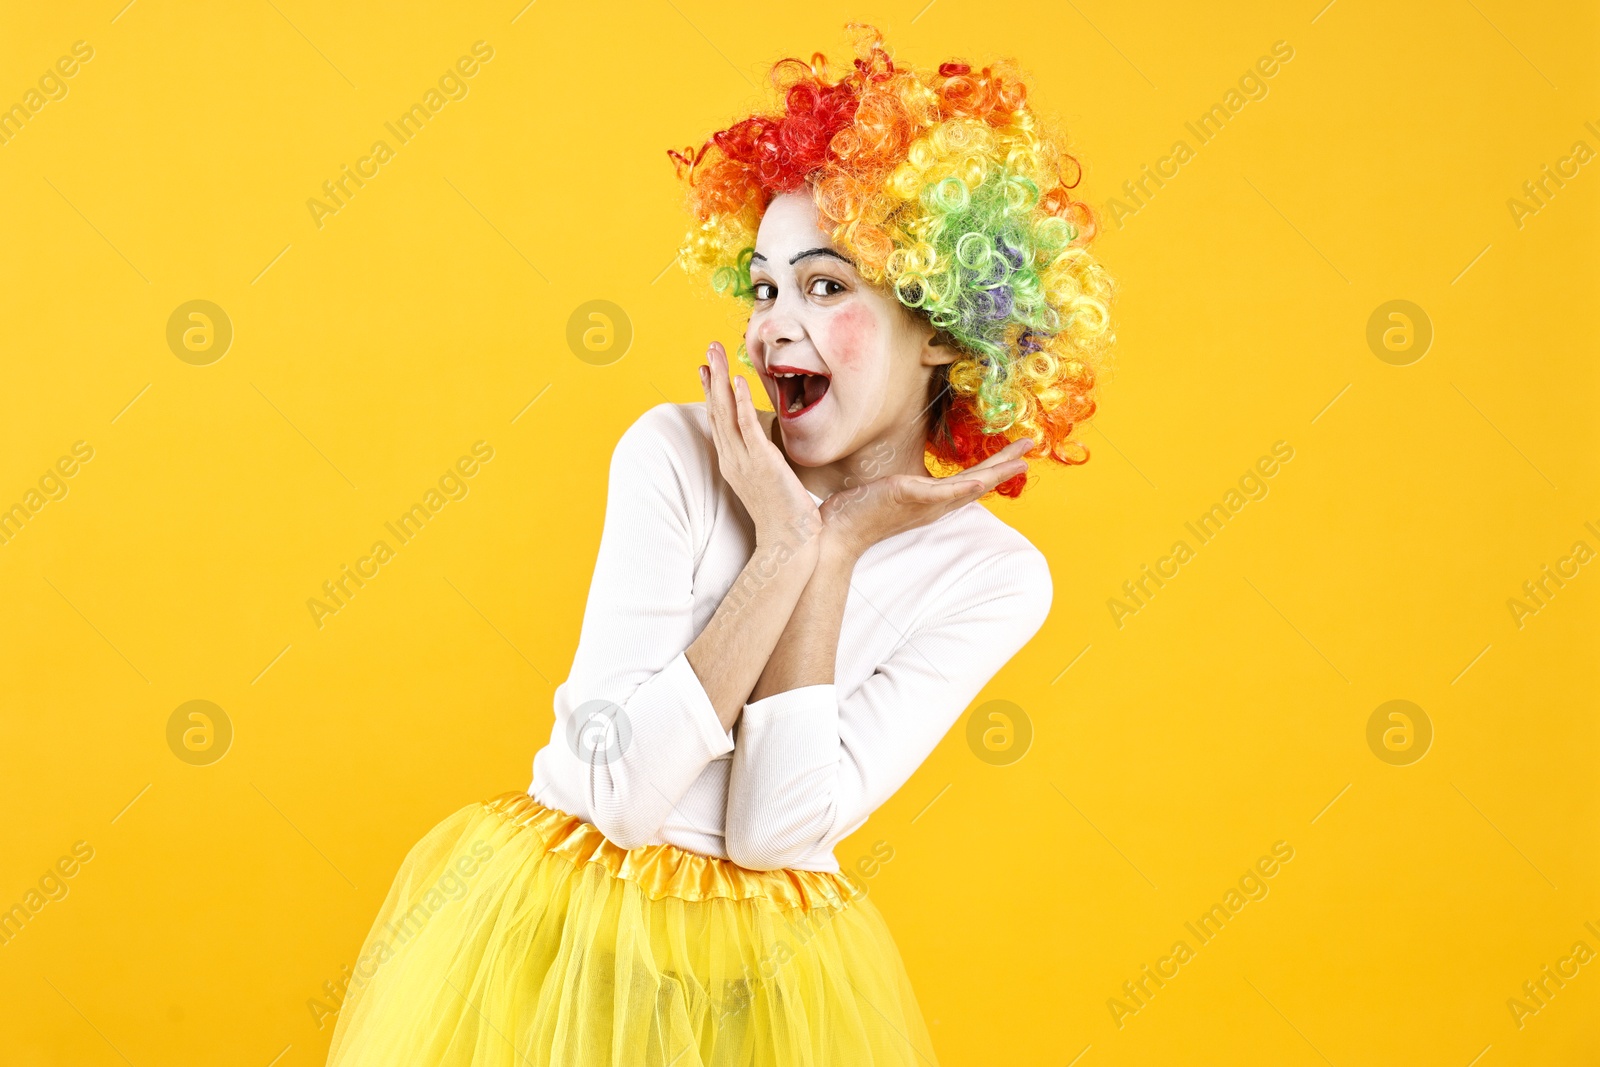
{"x": 819, "y": 252}
{"x": 808, "y": 252}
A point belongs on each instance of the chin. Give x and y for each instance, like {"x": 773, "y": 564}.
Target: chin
{"x": 810, "y": 437}
{"x": 827, "y": 433}
{"x": 809, "y": 448}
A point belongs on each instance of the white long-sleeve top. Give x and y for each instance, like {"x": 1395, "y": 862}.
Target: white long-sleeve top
{"x": 637, "y": 748}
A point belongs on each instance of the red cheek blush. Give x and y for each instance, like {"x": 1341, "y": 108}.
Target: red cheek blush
{"x": 852, "y": 336}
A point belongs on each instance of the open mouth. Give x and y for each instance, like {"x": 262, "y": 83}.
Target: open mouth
{"x": 798, "y": 390}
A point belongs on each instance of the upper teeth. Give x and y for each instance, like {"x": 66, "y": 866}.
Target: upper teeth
{"x": 789, "y": 374}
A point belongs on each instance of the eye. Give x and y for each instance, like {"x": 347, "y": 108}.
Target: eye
{"x": 821, "y": 287}
{"x": 764, "y": 290}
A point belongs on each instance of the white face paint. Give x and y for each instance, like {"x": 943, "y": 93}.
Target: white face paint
{"x": 844, "y": 364}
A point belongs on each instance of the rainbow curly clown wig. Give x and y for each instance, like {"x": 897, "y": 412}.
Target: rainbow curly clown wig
{"x": 946, "y": 189}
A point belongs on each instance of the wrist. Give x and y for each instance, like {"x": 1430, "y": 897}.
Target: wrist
{"x": 788, "y": 547}
{"x": 798, "y": 536}
{"x": 839, "y": 550}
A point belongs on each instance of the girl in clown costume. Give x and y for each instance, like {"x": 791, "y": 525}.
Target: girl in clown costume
{"x": 789, "y": 608}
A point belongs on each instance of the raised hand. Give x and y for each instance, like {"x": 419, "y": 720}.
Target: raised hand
{"x": 855, "y": 519}
{"x": 754, "y": 468}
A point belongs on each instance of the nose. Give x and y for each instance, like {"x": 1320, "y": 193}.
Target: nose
{"x": 778, "y": 327}
{"x": 774, "y": 334}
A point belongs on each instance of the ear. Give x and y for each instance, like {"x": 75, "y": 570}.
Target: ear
{"x": 939, "y": 348}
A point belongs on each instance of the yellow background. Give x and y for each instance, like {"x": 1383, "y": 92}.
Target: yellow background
{"x": 1228, "y": 714}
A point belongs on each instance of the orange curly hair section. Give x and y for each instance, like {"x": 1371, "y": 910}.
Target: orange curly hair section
{"x": 951, "y": 193}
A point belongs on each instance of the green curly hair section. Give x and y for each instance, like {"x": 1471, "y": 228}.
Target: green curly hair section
{"x": 949, "y": 192}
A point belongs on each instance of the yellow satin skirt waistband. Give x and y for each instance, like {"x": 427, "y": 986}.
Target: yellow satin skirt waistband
{"x": 667, "y": 870}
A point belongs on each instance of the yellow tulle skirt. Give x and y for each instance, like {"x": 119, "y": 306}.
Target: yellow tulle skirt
{"x": 516, "y": 935}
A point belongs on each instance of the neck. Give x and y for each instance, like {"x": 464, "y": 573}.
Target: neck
{"x": 897, "y": 451}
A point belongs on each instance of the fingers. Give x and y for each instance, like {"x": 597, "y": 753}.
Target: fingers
{"x": 728, "y": 400}
{"x": 974, "y": 481}
{"x": 745, "y": 412}
{"x": 970, "y": 484}
{"x": 719, "y": 397}
{"x": 938, "y": 491}
{"x": 993, "y": 476}
{"x": 1013, "y": 451}
{"x": 1004, "y": 465}
{"x": 711, "y": 407}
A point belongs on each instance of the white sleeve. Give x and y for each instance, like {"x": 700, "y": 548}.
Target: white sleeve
{"x": 809, "y": 767}
{"x": 634, "y": 726}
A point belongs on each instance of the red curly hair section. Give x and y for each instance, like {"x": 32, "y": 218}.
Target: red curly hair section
{"x": 950, "y": 193}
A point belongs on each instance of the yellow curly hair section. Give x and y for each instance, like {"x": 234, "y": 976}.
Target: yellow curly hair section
{"x": 949, "y": 191}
